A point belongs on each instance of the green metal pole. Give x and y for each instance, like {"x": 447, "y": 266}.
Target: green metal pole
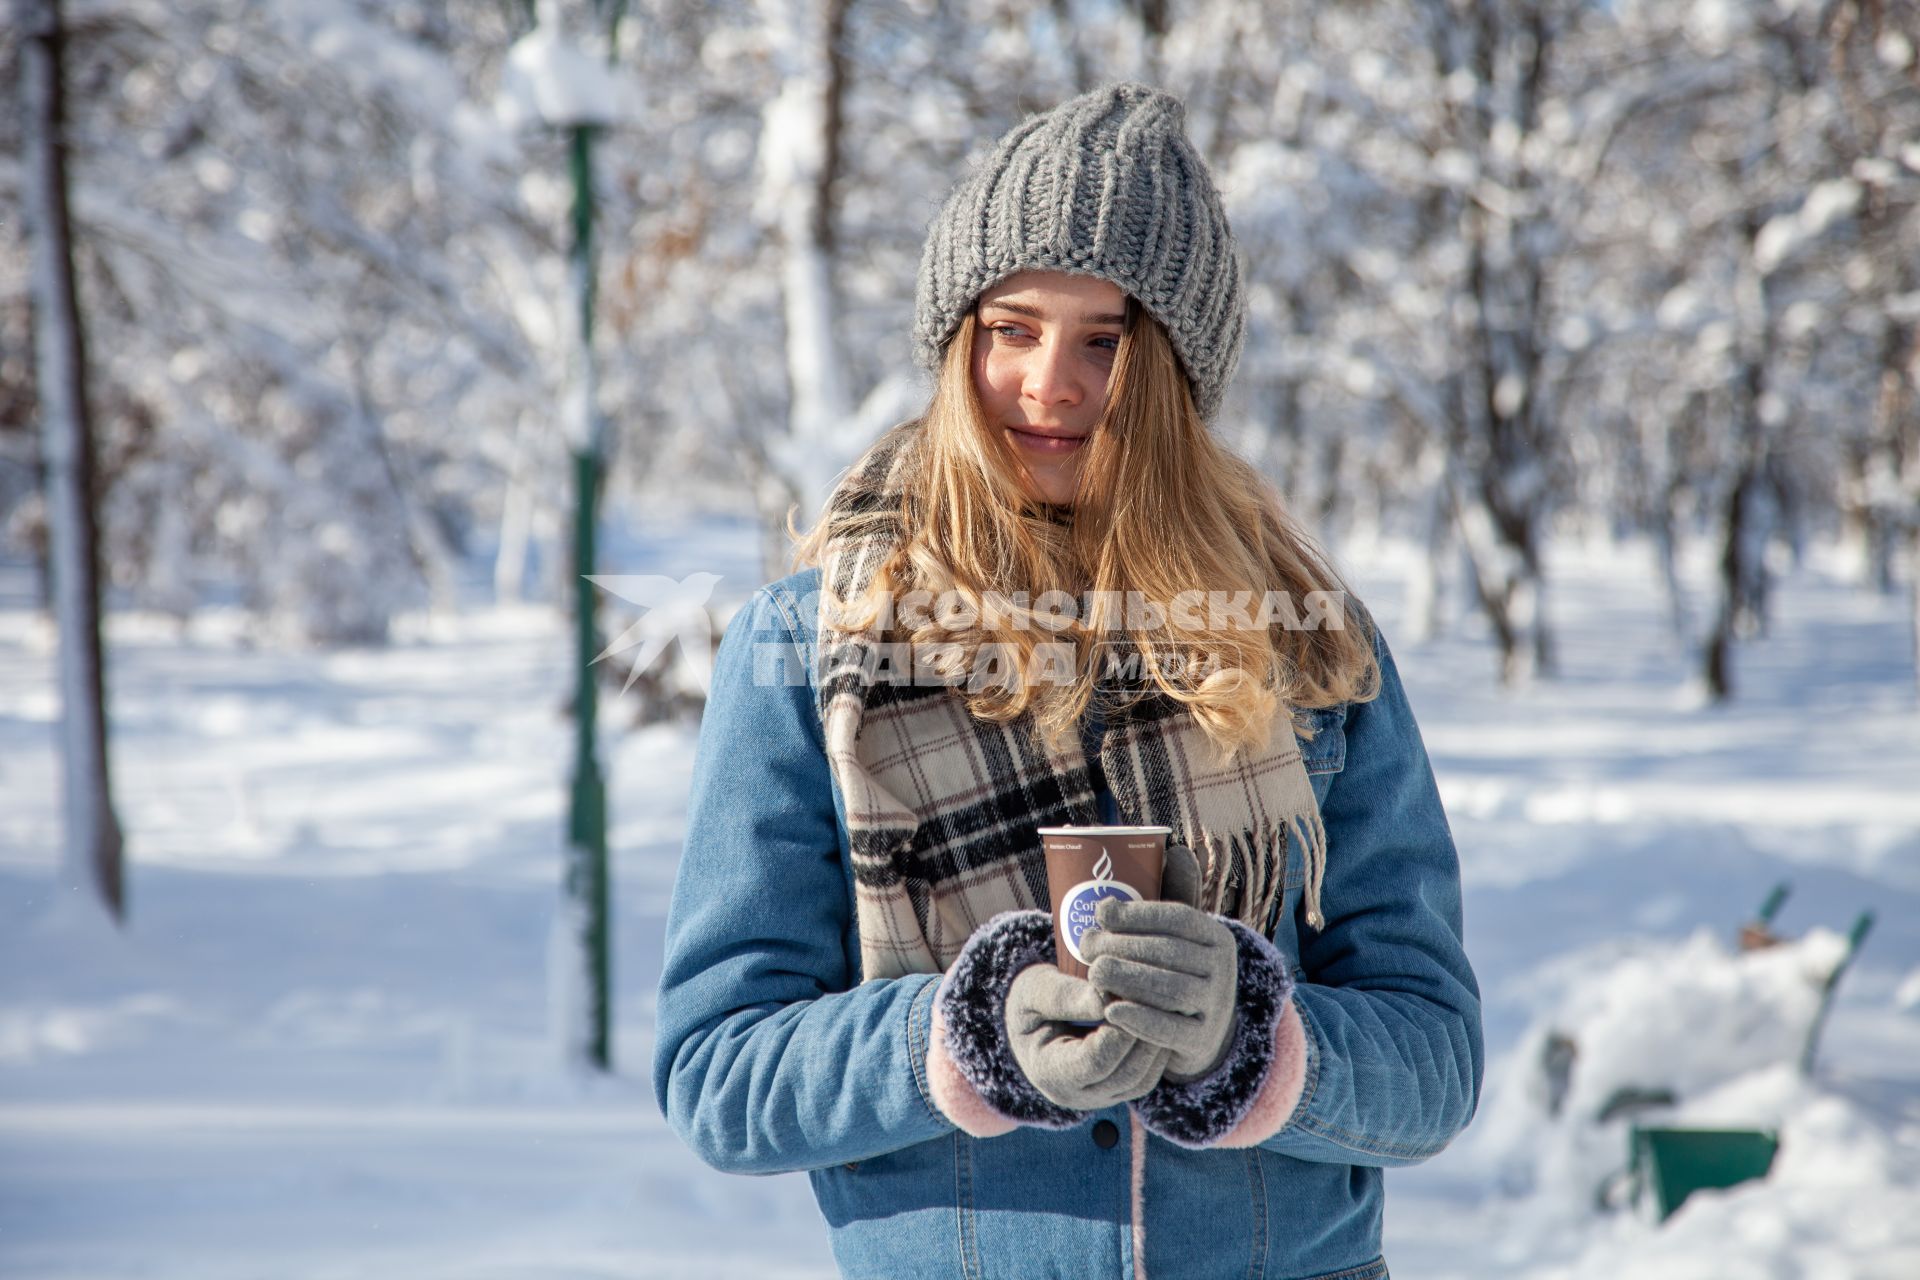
{"x": 586, "y": 874}
{"x": 1862, "y": 925}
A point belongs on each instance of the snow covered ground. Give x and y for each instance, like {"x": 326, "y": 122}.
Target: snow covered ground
{"x": 320, "y": 1048}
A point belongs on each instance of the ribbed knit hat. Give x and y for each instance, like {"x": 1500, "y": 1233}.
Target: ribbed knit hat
{"x": 1107, "y": 185}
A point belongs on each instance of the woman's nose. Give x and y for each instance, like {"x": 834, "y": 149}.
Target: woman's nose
{"x": 1050, "y": 376}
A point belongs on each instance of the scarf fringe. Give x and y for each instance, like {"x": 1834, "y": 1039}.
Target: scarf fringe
{"x": 1258, "y": 863}
{"x": 1312, "y": 834}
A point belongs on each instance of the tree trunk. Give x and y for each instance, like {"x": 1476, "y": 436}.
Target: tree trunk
{"x": 1734, "y": 536}
{"x": 1083, "y": 75}
{"x": 1505, "y": 440}
{"x": 1743, "y": 540}
{"x": 1482, "y": 556}
{"x": 516, "y": 519}
{"x": 801, "y": 159}
{"x": 94, "y": 849}
{"x": 1889, "y": 487}
{"x": 1667, "y": 548}
{"x": 1913, "y": 587}
{"x": 1426, "y": 586}
{"x": 411, "y": 518}
{"x": 1744, "y": 531}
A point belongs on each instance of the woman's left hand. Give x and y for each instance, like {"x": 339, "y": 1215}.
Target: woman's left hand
{"x": 1169, "y": 973}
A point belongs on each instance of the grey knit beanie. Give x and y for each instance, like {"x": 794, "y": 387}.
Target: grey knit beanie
{"x": 1107, "y": 185}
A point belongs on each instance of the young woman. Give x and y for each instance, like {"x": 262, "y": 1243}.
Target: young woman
{"x": 1055, "y": 599}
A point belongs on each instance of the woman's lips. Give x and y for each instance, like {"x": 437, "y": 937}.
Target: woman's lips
{"x": 1046, "y": 444}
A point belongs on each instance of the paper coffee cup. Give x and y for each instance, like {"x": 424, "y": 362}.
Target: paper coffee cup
{"x": 1088, "y": 865}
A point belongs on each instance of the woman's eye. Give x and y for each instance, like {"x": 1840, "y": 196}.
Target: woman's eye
{"x": 1008, "y": 331}
{"x": 1107, "y": 343}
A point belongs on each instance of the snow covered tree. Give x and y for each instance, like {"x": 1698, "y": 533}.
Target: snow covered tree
{"x": 1420, "y": 199}
{"x": 1755, "y": 198}
{"x": 1876, "y": 69}
{"x": 800, "y": 148}
{"x": 304, "y": 244}
{"x": 1513, "y": 269}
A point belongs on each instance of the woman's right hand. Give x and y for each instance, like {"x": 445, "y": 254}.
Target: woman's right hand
{"x": 1075, "y": 1066}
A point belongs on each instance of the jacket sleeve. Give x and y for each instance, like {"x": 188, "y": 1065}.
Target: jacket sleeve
{"x": 768, "y": 1057}
{"x": 1389, "y": 1002}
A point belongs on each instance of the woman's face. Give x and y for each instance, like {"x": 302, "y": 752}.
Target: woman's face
{"x": 1041, "y": 358}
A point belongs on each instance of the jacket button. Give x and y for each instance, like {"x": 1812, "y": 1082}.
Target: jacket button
{"x": 1105, "y": 1135}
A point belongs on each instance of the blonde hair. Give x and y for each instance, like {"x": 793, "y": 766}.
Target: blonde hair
{"x": 1160, "y": 508}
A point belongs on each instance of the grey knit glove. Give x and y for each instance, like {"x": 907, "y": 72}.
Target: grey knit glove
{"x": 1008, "y": 1018}
{"x": 1168, "y": 971}
{"x": 1077, "y": 1067}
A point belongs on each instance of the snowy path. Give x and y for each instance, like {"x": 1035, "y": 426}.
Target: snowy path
{"x": 320, "y": 1049}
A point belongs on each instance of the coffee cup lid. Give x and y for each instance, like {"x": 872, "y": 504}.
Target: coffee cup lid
{"x": 1104, "y": 831}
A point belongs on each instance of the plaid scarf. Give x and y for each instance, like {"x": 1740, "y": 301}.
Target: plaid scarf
{"x": 942, "y": 807}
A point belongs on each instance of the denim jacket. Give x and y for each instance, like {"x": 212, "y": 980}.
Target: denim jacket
{"x": 772, "y": 1055}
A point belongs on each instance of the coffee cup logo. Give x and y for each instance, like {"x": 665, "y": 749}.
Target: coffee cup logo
{"x": 1080, "y": 905}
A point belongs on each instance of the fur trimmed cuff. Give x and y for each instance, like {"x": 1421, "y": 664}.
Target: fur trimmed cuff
{"x": 1274, "y": 1105}
{"x": 958, "y": 1100}
{"x": 970, "y": 1012}
{"x": 1258, "y": 1083}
